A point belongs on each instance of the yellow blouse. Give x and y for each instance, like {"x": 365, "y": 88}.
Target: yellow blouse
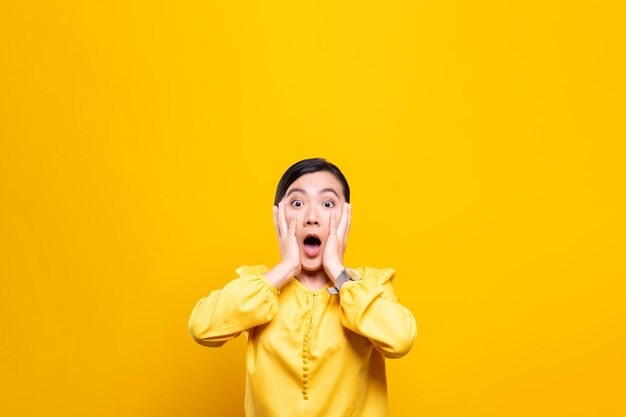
{"x": 310, "y": 353}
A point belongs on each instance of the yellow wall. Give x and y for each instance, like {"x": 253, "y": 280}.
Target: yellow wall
{"x": 140, "y": 148}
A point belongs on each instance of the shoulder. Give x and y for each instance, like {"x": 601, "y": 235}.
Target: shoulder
{"x": 244, "y": 270}
{"x": 378, "y": 276}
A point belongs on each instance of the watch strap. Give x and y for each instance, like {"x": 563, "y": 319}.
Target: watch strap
{"x": 341, "y": 279}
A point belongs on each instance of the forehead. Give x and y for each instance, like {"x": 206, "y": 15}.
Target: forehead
{"x": 316, "y": 181}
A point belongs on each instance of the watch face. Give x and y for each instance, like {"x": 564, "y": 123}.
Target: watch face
{"x": 354, "y": 276}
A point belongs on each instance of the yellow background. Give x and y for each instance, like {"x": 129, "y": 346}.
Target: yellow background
{"x": 141, "y": 144}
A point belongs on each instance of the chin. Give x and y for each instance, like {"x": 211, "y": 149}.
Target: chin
{"x": 312, "y": 264}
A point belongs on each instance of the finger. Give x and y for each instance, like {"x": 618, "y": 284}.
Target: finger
{"x": 292, "y": 225}
{"x": 349, "y": 221}
{"x": 283, "y": 222}
{"x": 331, "y": 229}
{"x": 275, "y": 212}
{"x": 341, "y": 229}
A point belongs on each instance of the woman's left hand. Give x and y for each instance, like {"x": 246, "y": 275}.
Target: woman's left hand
{"x": 332, "y": 258}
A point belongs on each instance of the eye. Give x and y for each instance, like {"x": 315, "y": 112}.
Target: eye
{"x": 293, "y": 203}
{"x": 329, "y": 201}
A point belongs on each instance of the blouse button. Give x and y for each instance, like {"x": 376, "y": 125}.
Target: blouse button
{"x": 306, "y": 397}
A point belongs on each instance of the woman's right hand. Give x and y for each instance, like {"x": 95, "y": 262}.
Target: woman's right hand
{"x": 289, "y": 265}
{"x": 286, "y": 234}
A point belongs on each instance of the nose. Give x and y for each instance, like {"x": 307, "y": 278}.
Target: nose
{"x": 312, "y": 221}
{"x": 312, "y": 216}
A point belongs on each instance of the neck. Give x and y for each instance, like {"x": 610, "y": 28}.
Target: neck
{"x": 313, "y": 280}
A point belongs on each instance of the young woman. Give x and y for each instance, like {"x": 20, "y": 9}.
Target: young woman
{"x": 318, "y": 332}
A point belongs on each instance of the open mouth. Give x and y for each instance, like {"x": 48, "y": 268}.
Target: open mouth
{"x": 312, "y": 245}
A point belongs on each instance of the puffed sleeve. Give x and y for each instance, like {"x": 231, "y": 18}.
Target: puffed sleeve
{"x": 370, "y": 308}
{"x": 243, "y": 303}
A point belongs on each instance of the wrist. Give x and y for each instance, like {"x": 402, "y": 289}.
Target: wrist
{"x": 290, "y": 269}
{"x": 348, "y": 283}
{"x": 333, "y": 271}
{"x": 280, "y": 274}
{"x": 344, "y": 277}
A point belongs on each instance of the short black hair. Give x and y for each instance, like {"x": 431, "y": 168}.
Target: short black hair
{"x": 307, "y": 166}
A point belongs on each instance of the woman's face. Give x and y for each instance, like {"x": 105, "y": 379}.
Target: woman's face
{"x": 311, "y": 199}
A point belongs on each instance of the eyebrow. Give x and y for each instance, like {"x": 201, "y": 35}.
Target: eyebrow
{"x": 293, "y": 190}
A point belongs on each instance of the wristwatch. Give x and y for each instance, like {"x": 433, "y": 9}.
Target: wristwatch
{"x": 346, "y": 274}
